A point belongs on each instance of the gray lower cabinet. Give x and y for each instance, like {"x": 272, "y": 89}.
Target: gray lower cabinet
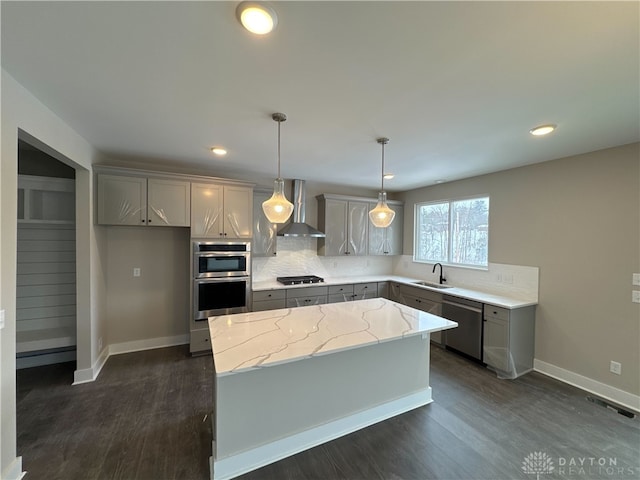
{"x": 383, "y": 290}
{"x": 363, "y": 291}
{"x": 316, "y": 295}
{"x": 269, "y": 300}
{"x": 301, "y": 297}
{"x": 340, "y": 293}
{"x": 425, "y": 300}
{"x": 394, "y": 292}
{"x": 509, "y": 340}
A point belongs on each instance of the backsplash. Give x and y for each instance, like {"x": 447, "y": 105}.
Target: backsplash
{"x": 500, "y": 279}
{"x": 298, "y": 256}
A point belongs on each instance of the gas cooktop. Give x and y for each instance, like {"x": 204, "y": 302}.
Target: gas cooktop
{"x": 300, "y": 279}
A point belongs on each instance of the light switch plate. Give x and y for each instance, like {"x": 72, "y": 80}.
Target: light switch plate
{"x": 1, "y": 319}
{"x": 636, "y": 279}
{"x": 136, "y": 272}
{"x": 635, "y": 296}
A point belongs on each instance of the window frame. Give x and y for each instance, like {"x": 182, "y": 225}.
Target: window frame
{"x": 450, "y": 202}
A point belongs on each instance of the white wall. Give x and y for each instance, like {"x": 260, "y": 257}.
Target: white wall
{"x": 576, "y": 219}
{"x": 21, "y": 111}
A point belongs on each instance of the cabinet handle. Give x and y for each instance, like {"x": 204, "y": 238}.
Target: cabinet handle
{"x": 149, "y": 221}
{"x": 142, "y": 221}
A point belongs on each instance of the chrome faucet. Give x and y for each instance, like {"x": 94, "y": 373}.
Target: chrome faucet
{"x": 442, "y": 279}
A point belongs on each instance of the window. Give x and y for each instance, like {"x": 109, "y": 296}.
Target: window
{"x": 455, "y": 232}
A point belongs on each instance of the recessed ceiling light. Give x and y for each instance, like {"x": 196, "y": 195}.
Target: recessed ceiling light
{"x": 258, "y": 18}
{"x": 218, "y": 151}
{"x": 542, "y": 130}
{"x": 388, "y": 176}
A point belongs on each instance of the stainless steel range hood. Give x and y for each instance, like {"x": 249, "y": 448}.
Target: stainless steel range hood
{"x": 297, "y": 227}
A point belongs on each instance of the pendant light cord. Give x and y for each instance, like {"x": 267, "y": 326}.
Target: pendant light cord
{"x": 279, "y": 122}
{"x": 382, "y": 141}
{"x": 382, "y": 173}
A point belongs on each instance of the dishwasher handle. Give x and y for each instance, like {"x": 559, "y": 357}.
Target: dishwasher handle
{"x": 461, "y": 305}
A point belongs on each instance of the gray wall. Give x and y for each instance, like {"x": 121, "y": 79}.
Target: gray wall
{"x": 577, "y": 220}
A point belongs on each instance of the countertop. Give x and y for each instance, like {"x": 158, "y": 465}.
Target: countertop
{"x": 247, "y": 341}
{"x": 497, "y": 300}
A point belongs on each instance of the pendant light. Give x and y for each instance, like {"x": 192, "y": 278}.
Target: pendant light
{"x": 382, "y": 216}
{"x": 278, "y": 209}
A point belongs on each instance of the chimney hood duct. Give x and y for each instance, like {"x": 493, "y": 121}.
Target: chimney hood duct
{"x": 297, "y": 227}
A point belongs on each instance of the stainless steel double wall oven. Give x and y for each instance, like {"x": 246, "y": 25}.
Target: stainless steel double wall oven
{"x": 221, "y": 278}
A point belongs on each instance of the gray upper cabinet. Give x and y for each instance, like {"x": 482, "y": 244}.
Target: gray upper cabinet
{"x": 221, "y": 211}
{"x": 345, "y": 223}
{"x": 264, "y": 232}
{"x": 387, "y": 241}
{"x": 131, "y": 200}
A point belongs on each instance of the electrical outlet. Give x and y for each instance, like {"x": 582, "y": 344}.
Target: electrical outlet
{"x": 1, "y": 319}
{"x": 615, "y": 367}
{"x": 635, "y": 296}
{"x": 635, "y": 279}
{"x": 136, "y": 272}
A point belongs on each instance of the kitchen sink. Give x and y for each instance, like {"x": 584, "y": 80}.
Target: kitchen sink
{"x": 432, "y": 285}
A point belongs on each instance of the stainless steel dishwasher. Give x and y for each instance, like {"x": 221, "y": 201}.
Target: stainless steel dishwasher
{"x": 467, "y": 337}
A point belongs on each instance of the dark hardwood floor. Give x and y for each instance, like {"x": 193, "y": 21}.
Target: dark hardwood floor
{"x": 146, "y": 417}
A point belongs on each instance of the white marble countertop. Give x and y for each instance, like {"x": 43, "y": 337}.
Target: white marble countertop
{"x": 247, "y": 341}
{"x": 484, "y": 297}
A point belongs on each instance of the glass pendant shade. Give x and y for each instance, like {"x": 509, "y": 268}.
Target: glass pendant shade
{"x": 382, "y": 216}
{"x": 277, "y": 209}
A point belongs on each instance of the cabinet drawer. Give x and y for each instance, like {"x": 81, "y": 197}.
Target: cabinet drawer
{"x": 262, "y": 305}
{"x": 491, "y": 311}
{"x": 340, "y": 297}
{"x": 305, "y": 301}
{"x": 306, "y": 292}
{"x": 335, "y": 289}
{"x": 369, "y": 289}
{"x": 200, "y": 341}
{"x": 262, "y": 295}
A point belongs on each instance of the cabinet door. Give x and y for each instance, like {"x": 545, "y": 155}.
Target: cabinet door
{"x": 238, "y": 208}
{"x": 496, "y": 343}
{"x": 264, "y": 232}
{"x": 206, "y": 210}
{"x": 122, "y": 200}
{"x": 395, "y": 293}
{"x": 395, "y": 232}
{"x": 383, "y": 290}
{"x": 387, "y": 241}
{"x": 335, "y": 227}
{"x": 378, "y": 244}
{"x": 169, "y": 203}
{"x": 358, "y": 228}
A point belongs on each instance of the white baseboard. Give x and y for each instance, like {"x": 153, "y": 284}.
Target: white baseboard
{"x": 607, "y": 392}
{"x": 90, "y": 374}
{"x": 87, "y": 375}
{"x": 13, "y": 471}
{"x": 230, "y": 467}
{"x": 148, "y": 344}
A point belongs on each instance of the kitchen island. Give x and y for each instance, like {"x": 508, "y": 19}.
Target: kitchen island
{"x": 290, "y": 379}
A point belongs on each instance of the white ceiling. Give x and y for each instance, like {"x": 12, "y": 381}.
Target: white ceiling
{"x": 456, "y": 86}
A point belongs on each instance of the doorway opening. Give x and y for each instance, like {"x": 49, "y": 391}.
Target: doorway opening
{"x": 46, "y": 322}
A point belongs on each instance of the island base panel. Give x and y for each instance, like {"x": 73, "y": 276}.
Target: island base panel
{"x": 267, "y": 414}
